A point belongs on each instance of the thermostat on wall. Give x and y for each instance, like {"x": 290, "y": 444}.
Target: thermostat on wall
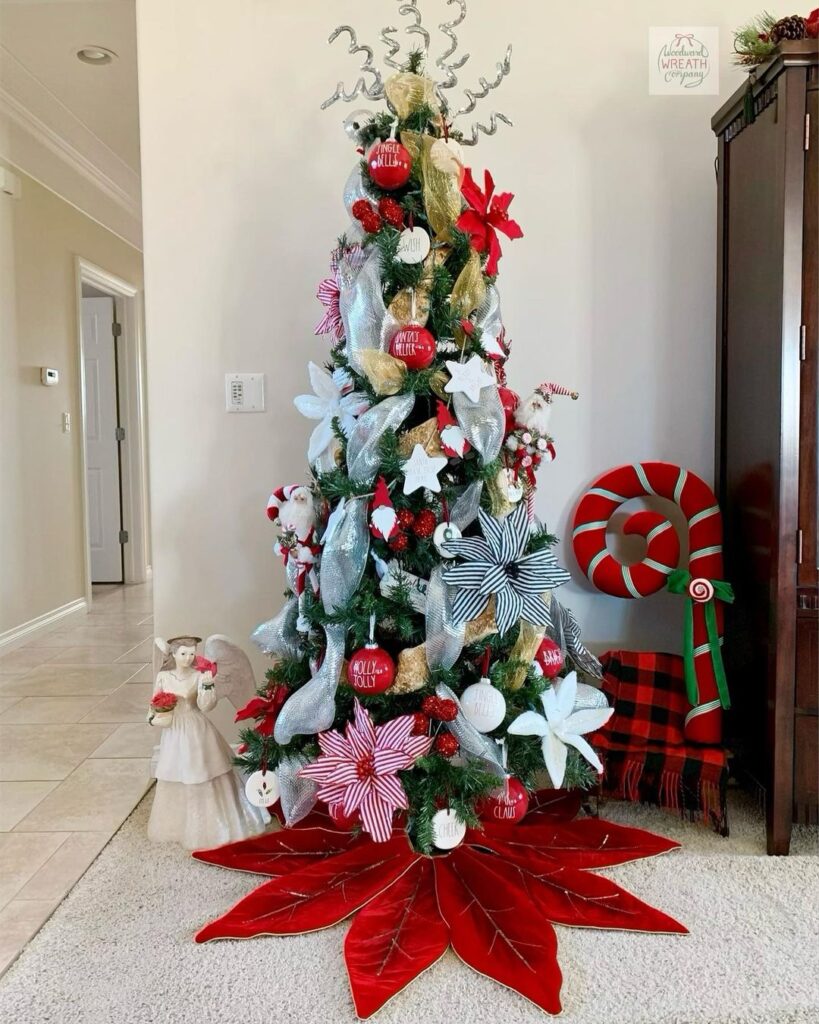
{"x": 48, "y": 376}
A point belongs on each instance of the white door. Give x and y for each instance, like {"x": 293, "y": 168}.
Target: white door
{"x": 102, "y": 445}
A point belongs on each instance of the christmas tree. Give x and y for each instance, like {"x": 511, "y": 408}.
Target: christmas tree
{"x": 413, "y": 660}
{"x": 424, "y": 672}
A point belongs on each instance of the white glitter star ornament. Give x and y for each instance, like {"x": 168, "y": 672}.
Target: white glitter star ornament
{"x": 470, "y": 377}
{"x": 421, "y": 470}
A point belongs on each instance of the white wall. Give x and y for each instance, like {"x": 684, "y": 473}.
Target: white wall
{"x": 611, "y": 291}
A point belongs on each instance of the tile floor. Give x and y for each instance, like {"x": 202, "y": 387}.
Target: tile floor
{"x": 74, "y": 752}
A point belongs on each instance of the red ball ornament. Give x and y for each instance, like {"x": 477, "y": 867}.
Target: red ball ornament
{"x": 414, "y": 346}
{"x": 425, "y": 523}
{"x": 507, "y": 804}
{"x": 446, "y": 745}
{"x": 549, "y": 657}
{"x": 420, "y": 724}
{"x": 371, "y": 670}
{"x": 510, "y": 401}
{"x": 341, "y": 820}
{"x": 390, "y": 210}
{"x": 406, "y": 518}
{"x": 400, "y": 542}
{"x": 389, "y": 164}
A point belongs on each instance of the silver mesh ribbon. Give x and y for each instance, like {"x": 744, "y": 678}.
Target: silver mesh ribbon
{"x": 298, "y": 795}
{"x": 278, "y": 636}
{"x": 312, "y": 708}
{"x": 356, "y": 188}
{"x": 565, "y": 632}
{"x": 473, "y": 742}
{"x": 483, "y": 422}
{"x": 589, "y": 698}
{"x": 344, "y": 557}
{"x": 362, "y": 308}
{"x": 444, "y": 638}
{"x": 488, "y": 318}
{"x": 363, "y": 456}
{"x": 464, "y": 509}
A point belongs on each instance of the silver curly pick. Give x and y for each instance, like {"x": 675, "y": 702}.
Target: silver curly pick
{"x": 443, "y": 63}
{"x": 418, "y": 28}
{"x": 372, "y": 92}
{"x": 472, "y": 138}
{"x": 393, "y": 46}
{"x": 484, "y": 86}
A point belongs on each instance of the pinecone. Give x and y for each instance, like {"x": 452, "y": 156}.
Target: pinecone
{"x": 793, "y": 27}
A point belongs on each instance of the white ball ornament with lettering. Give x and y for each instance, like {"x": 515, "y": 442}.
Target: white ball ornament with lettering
{"x": 483, "y": 706}
{"x": 262, "y": 789}
{"x": 413, "y": 245}
{"x": 448, "y": 830}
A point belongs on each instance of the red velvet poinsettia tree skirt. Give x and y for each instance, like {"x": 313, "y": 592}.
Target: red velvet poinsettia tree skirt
{"x": 494, "y": 899}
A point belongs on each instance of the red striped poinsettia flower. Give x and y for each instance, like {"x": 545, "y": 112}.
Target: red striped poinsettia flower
{"x": 358, "y": 769}
{"x": 487, "y": 214}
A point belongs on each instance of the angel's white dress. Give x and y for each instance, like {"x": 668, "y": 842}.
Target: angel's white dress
{"x": 198, "y": 800}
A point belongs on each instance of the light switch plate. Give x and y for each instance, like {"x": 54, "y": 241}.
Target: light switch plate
{"x": 244, "y": 392}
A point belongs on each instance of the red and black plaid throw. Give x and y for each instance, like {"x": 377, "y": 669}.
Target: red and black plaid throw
{"x": 643, "y": 747}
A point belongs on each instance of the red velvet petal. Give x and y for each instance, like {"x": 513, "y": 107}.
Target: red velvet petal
{"x": 317, "y": 896}
{"x": 473, "y": 225}
{"x": 399, "y": 934}
{"x": 472, "y": 193}
{"x": 280, "y": 853}
{"x": 494, "y": 252}
{"x": 554, "y": 805}
{"x": 578, "y": 898}
{"x": 493, "y": 929}
{"x": 587, "y": 843}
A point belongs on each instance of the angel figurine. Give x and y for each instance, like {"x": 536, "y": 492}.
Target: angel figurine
{"x": 199, "y": 799}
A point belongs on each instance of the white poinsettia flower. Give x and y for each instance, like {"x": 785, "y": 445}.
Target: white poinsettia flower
{"x": 334, "y": 398}
{"x": 561, "y": 726}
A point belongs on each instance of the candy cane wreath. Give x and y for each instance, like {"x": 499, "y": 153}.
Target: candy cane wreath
{"x": 701, "y": 583}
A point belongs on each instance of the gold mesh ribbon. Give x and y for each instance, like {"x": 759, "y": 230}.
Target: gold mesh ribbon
{"x": 383, "y": 371}
{"x": 406, "y": 92}
{"x": 525, "y": 649}
{"x": 442, "y": 196}
{"x": 426, "y": 434}
{"x": 469, "y": 290}
{"x": 401, "y": 308}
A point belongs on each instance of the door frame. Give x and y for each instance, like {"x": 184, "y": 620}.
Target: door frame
{"x": 132, "y": 405}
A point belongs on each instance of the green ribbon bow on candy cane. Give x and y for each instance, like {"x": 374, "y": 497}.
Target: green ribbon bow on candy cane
{"x": 679, "y": 582}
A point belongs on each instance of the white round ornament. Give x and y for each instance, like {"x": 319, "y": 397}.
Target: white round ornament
{"x": 413, "y": 245}
{"x": 448, "y": 830}
{"x": 262, "y": 789}
{"x": 447, "y": 156}
{"x": 483, "y": 705}
{"x": 444, "y": 533}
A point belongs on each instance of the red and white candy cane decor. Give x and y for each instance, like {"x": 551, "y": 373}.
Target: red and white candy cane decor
{"x": 701, "y": 584}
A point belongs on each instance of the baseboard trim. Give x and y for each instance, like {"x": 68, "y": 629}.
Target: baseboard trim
{"x": 19, "y": 635}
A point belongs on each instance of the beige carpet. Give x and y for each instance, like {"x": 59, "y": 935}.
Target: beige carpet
{"x": 119, "y": 949}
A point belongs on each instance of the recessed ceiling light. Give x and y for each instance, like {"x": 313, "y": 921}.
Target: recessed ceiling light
{"x": 96, "y": 55}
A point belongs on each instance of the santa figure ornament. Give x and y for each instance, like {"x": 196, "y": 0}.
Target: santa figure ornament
{"x": 294, "y": 509}
{"x": 533, "y": 413}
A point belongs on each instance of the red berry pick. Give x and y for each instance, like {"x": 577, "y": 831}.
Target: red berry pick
{"x": 446, "y": 744}
{"x": 440, "y": 708}
{"x": 425, "y": 523}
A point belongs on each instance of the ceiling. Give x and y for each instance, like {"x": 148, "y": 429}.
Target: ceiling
{"x": 45, "y": 36}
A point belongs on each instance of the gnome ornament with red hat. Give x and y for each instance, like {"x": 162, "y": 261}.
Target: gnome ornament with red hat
{"x": 384, "y": 524}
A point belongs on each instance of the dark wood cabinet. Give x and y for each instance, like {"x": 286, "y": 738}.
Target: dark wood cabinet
{"x": 766, "y": 429}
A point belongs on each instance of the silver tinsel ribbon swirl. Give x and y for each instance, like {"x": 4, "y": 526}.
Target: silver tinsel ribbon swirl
{"x": 473, "y": 742}
{"x": 298, "y": 795}
{"x": 312, "y": 708}
{"x": 355, "y": 188}
{"x": 344, "y": 555}
{"x": 444, "y": 638}
{"x": 465, "y": 508}
{"x": 363, "y": 456}
{"x": 278, "y": 637}
{"x": 483, "y": 422}
{"x": 362, "y": 308}
{"x": 488, "y": 319}
{"x": 565, "y": 632}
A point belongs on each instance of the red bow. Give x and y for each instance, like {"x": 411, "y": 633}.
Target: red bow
{"x": 487, "y": 214}
{"x": 264, "y": 709}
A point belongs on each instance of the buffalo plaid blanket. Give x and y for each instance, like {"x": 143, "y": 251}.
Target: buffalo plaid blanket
{"x": 643, "y": 748}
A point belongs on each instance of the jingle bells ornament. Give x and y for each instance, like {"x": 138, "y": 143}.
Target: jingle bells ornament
{"x": 389, "y": 164}
{"x": 371, "y": 669}
{"x": 508, "y": 804}
{"x": 483, "y": 706}
{"x": 549, "y": 658}
{"x": 414, "y": 346}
